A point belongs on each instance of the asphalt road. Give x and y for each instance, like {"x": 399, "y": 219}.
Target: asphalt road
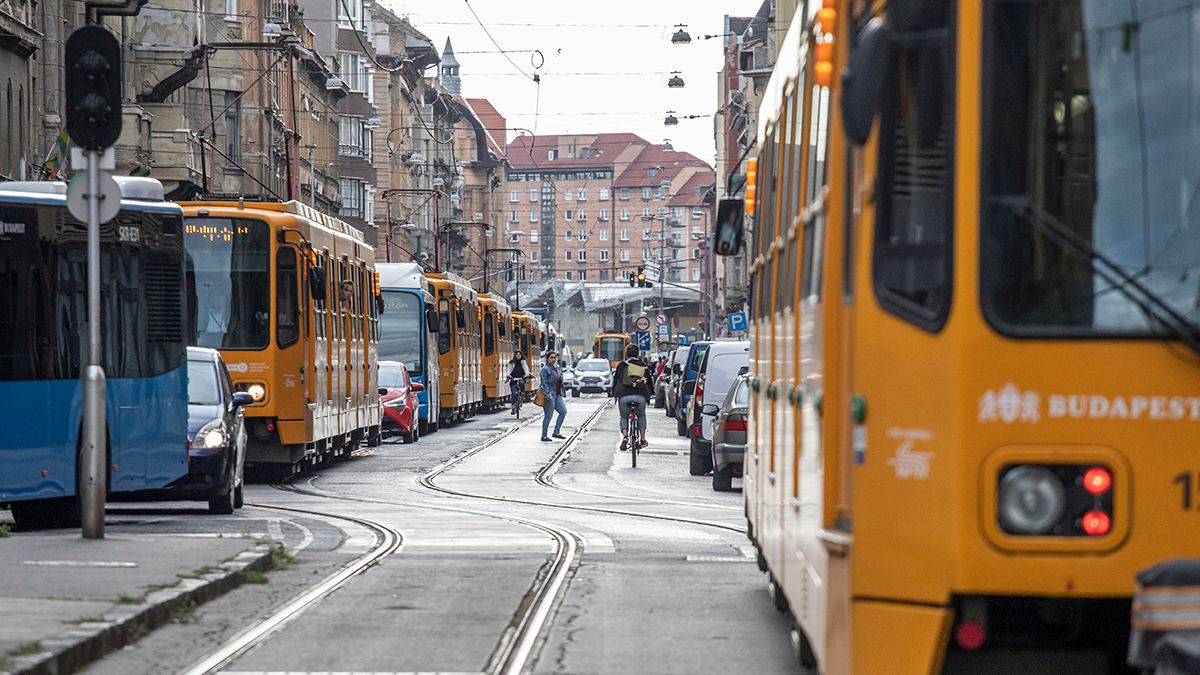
{"x": 645, "y": 595}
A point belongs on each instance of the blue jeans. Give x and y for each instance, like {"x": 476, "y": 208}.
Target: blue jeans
{"x": 552, "y": 404}
{"x": 625, "y": 405}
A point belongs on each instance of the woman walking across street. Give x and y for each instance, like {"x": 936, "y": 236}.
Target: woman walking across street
{"x": 518, "y": 370}
{"x": 631, "y": 384}
{"x": 552, "y": 391}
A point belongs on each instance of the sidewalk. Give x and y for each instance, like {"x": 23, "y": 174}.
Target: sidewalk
{"x": 69, "y": 600}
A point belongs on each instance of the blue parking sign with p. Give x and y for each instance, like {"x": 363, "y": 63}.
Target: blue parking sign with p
{"x": 737, "y": 322}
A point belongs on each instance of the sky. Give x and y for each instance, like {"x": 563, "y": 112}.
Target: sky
{"x": 604, "y": 65}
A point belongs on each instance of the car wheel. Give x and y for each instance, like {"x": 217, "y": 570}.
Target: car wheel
{"x": 574, "y": 393}
{"x": 223, "y": 504}
{"x": 238, "y": 500}
{"x": 411, "y": 437}
{"x": 658, "y": 401}
{"x": 723, "y": 479}
{"x": 697, "y": 463}
{"x": 681, "y": 427}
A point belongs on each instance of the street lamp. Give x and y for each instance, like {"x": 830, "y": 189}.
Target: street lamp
{"x": 676, "y": 82}
{"x": 671, "y": 119}
{"x": 666, "y": 144}
{"x": 681, "y": 36}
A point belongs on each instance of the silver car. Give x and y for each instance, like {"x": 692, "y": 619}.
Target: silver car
{"x": 729, "y": 434}
{"x": 593, "y": 375}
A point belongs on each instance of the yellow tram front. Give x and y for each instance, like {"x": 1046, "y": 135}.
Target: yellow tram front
{"x": 459, "y": 345}
{"x": 526, "y": 329}
{"x": 610, "y": 346}
{"x": 975, "y": 366}
{"x": 289, "y": 297}
{"x": 497, "y": 349}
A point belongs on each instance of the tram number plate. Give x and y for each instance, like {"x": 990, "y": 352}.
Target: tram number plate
{"x": 1188, "y": 482}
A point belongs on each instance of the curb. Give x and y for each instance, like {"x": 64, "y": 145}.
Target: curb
{"x": 87, "y": 642}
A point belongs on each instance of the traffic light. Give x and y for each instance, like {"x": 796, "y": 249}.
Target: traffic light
{"x": 632, "y": 280}
{"x": 93, "y": 65}
{"x": 641, "y": 276}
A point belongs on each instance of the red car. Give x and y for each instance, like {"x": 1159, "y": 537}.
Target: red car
{"x": 398, "y": 394}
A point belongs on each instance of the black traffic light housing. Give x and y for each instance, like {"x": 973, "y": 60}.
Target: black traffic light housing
{"x": 93, "y": 73}
{"x": 641, "y": 277}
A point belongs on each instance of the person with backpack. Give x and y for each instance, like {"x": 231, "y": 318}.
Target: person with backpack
{"x": 631, "y": 384}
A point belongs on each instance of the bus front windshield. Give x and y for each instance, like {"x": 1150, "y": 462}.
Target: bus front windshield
{"x": 230, "y": 274}
{"x": 611, "y": 348}
{"x": 1093, "y": 127}
{"x": 400, "y": 335}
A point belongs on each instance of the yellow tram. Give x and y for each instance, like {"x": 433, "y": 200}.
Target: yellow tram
{"x": 527, "y": 334}
{"x": 497, "y": 349}
{"x": 290, "y": 298}
{"x": 610, "y": 346}
{"x": 459, "y": 345}
{"x": 975, "y": 371}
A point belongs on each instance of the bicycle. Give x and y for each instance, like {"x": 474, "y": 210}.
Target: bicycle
{"x": 516, "y": 396}
{"x": 635, "y": 437}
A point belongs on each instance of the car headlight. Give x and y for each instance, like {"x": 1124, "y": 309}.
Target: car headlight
{"x": 211, "y": 436}
{"x": 397, "y": 402}
{"x": 1031, "y": 500}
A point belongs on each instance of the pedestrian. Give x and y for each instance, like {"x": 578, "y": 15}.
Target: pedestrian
{"x": 631, "y": 384}
{"x": 552, "y": 392}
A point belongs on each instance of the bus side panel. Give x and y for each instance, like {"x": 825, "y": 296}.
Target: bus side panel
{"x": 30, "y": 447}
{"x": 149, "y": 436}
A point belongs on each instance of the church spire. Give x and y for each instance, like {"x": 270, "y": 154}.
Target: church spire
{"x": 450, "y": 78}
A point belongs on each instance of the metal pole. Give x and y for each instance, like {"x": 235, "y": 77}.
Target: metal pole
{"x": 93, "y": 461}
{"x": 662, "y": 272}
{"x": 437, "y": 234}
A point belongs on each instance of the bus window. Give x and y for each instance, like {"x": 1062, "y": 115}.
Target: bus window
{"x": 287, "y": 306}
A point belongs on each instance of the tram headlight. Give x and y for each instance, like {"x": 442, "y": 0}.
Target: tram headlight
{"x": 1031, "y": 500}
{"x": 257, "y": 390}
{"x": 211, "y": 436}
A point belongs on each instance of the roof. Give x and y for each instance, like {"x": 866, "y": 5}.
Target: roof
{"x": 686, "y": 194}
{"x": 637, "y": 173}
{"x": 448, "y": 54}
{"x": 493, "y": 122}
{"x": 531, "y": 152}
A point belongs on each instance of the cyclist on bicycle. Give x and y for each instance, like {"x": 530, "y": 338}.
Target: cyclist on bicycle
{"x": 518, "y": 370}
{"x": 631, "y": 385}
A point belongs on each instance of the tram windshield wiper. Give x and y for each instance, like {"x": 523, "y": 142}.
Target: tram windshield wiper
{"x": 1152, "y": 305}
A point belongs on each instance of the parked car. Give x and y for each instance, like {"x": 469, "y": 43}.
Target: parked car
{"x": 690, "y": 369}
{"x": 570, "y": 381}
{"x": 729, "y": 433}
{"x": 398, "y": 395}
{"x": 593, "y": 375}
{"x": 720, "y": 367}
{"x": 674, "y": 375}
{"x": 663, "y": 379}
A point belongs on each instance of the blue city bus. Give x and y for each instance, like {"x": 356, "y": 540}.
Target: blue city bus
{"x": 406, "y": 334}
{"x": 43, "y": 346}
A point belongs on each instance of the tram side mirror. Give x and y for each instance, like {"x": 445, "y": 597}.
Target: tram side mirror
{"x": 864, "y": 78}
{"x": 431, "y": 320}
{"x": 316, "y": 282}
{"x": 729, "y": 231}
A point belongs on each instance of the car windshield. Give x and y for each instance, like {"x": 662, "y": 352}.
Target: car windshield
{"x": 1099, "y": 133}
{"x": 593, "y": 365}
{"x": 391, "y": 376}
{"x": 203, "y": 388}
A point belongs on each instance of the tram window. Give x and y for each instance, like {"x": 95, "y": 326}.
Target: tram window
{"x": 287, "y": 306}
{"x": 787, "y": 147}
{"x": 489, "y": 333}
{"x": 443, "y": 326}
{"x": 913, "y": 239}
{"x": 814, "y": 238}
{"x": 770, "y": 173}
{"x": 818, "y": 141}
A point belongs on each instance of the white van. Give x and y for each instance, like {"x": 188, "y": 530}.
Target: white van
{"x": 718, "y": 372}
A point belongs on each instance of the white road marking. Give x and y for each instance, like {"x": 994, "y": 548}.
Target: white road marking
{"x": 78, "y": 563}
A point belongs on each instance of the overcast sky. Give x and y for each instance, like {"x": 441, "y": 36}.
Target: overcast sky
{"x": 606, "y": 64}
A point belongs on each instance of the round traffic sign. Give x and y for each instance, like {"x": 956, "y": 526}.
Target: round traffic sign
{"x": 661, "y": 319}
{"x": 642, "y": 323}
{"x": 77, "y": 197}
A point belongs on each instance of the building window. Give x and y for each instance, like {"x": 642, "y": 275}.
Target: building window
{"x": 233, "y": 127}
{"x": 624, "y": 255}
{"x": 552, "y": 154}
{"x": 603, "y": 194}
{"x": 695, "y": 275}
{"x": 661, "y": 212}
{"x": 674, "y": 254}
{"x": 582, "y": 235}
{"x": 583, "y": 275}
{"x": 533, "y": 256}
{"x": 603, "y": 215}
{"x": 697, "y": 212}
{"x": 603, "y": 234}
{"x": 568, "y": 235}
{"x": 533, "y": 236}
{"x": 662, "y": 191}
{"x": 514, "y": 217}
{"x": 645, "y": 234}
{"x": 647, "y": 193}
{"x": 582, "y": 256}
{"x": 603, "y": 275}
{"x": 515, "y": 237}
{"x": 647, "y": 254}
{"x": 514, "y": 196}
{"x": 355, "y": 72}
{"x": 603, "y": 255}
{"x": 624, "y": 214}
{"x": 569, "y": 194}
{"x": 570, "y": 276}
{"x": 581, "y": 216}
{"x": 354, "y": 198}
{"x": 624, "y": 234}
{"x": 653, "y": 171}
{"x": 646, "y": 213}
{"x": 624, "y": 193}
{"x": 567, "y": 255}
{"x": 534, "y": 195}
{"x": 350, "y": 13}
{"x": 677, "y": 212}
{"x": 582, "y": 194}
{"x": 231, "y": 10}
{"x": 533, "y": 216}
{"x": 695, "y": 254}
{"x": 569, "y": 214}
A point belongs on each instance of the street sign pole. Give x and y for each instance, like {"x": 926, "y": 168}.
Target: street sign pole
{"x": 93, "y": 462}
